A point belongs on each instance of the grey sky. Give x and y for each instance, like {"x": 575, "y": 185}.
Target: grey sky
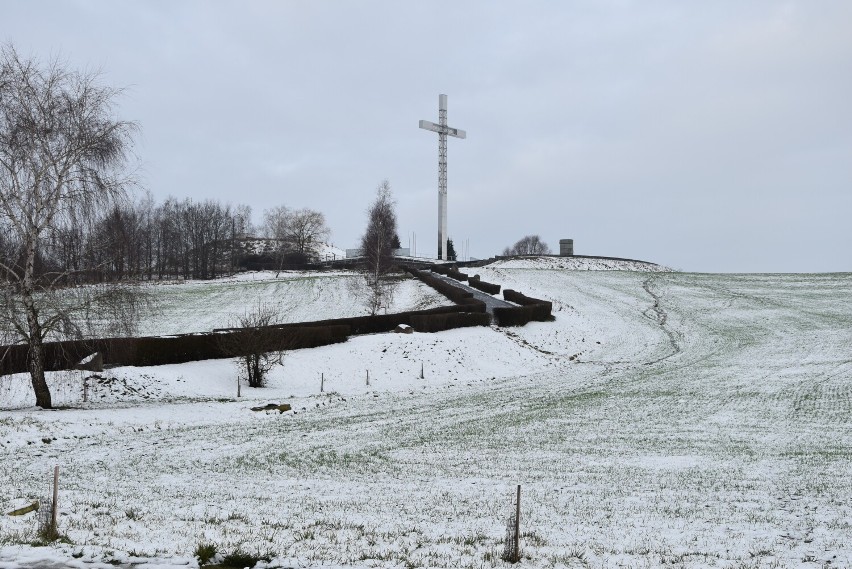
{"x": 712, "y": 136}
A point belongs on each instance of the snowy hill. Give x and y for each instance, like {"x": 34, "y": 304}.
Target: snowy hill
{"x": 201, "y": 306}
{"x": 662, "y": 419}
{"x": 577, "y": 264}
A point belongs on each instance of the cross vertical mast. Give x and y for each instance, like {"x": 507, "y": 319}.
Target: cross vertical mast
{"x": 443, "y": 130}
{"x": 442, "y": 177}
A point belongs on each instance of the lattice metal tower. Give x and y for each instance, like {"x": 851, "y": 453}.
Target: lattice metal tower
{"x": 443, "y": 130}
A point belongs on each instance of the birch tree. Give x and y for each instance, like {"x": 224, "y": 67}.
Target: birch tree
{"x": 63, "y": 156}
{"x": 377, "y": 245}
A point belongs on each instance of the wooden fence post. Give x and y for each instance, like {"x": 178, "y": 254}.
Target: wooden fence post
{"x": 518, "y": 524}
{"x": 322, "y": 382}
{"x": 55, "y": 506}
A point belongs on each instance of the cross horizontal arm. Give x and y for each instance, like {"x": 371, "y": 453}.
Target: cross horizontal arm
{"x": 456, "y": 132}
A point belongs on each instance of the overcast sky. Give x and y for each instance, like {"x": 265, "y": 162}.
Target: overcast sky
{"x": 711, "y": 136}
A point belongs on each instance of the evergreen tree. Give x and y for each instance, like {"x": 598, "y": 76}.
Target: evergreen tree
{"x": 451, "y": 250}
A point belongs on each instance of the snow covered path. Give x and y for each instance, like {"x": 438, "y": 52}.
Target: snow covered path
{"x": 663, "y": 419}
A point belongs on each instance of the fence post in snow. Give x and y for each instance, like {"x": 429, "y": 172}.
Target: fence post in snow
{"x": 518, "y": 525}
{"x": 512, "y": 546}
{"x": 368, "y": 378}
{"x": 322, "y": 382}
{"x": 55, "y": 506}
{"x": 421, "y": 370}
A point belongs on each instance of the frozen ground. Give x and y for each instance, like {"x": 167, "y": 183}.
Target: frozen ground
{"x": 663, "y": 419}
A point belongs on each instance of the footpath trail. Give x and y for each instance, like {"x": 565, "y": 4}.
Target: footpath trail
{"x": 490, "y": 302}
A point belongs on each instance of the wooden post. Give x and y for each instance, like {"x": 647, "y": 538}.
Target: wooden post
{"x": 55, "y": 506}
{"x": 368, "y": 377}
{"x": 518, "y": 524}
{"x": 238, "y": 386}
{"x": 322, "y": 382}
{"x": 421, "y": 370}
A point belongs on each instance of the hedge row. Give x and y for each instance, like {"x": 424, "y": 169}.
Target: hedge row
{"x": 520, "y": 315}
{"x": 220, "y": 343}
{"x": 454, "y": 293}
{"x": 448, "y": 270}
{"x": 485, "y": 287}
{"x": 455, "y": 274}
{"x": 223, "y": 343}
{"x": 531, "y": 309}
{"x": 160, "y": 350}
{"x": 524, "y": 300}
{"x": 380, "y": 322}
{"x": 441, "y": 322}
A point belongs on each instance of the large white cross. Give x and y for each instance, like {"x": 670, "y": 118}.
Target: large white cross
{"x": 443, "y": 130}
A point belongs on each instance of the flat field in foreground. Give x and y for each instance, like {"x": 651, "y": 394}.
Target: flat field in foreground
{"x": 663, "y": 419}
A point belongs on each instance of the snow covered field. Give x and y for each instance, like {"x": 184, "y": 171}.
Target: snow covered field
{"x": 200, "y": 306}
{"x": 663, "y": 419}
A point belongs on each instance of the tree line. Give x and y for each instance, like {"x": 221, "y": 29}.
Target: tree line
{"x": 143, "y": 240}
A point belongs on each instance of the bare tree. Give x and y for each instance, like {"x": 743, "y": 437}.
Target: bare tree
{"x": 256, "y": 346}
{"x": 242, "y": 220}
{"x": 62, "y": 157}
{"x": 275, "y": 221}
{"x": 373, "y": 294}
{"x": 528, "y": 245}
{"x": 297, "y": 231}
{"x": 377, "y": 246}
{"x": 306, "y": 230}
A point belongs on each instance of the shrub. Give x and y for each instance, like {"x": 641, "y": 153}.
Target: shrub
{"x": 240, "y": 558}
{"x": 205, "y": 552}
